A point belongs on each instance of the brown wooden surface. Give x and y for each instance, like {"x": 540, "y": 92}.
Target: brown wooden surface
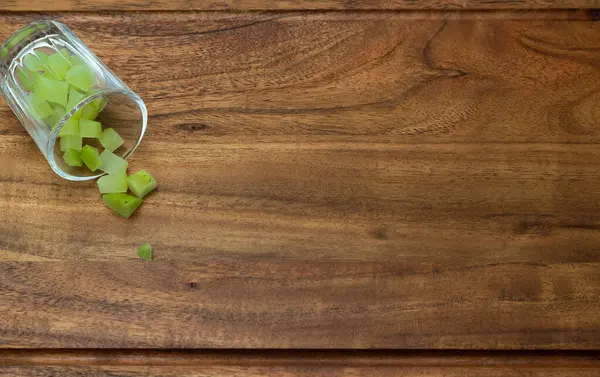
{"x": 137, "y": 5}
{"x": 327, "y": 180}
{"x": 294, "y": 363}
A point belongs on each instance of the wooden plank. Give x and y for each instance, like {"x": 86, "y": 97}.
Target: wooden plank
{"x": 336, "y": 180}
{"x": 268, "y": 304}
{"x": 295, "y": 363}
{"x": 162, "y": 5}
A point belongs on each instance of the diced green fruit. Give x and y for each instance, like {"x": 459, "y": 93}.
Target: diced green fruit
{"x": 36, "y": 61}
{"x": 58, "y": 65}
{"x": 141, "y": 183}
{"x": 81, "y": 77}
{"x": 145, "y": 251}
{"x": 74, "y": 98}
{"x": 65, "y": 53}
{"x": 57, "y": 113}
{"x": 122, "y": 204}
{"x": 91, "y": 157}
{"x": 111, "y": 140}
{"x": 26, "y": 78}
{"x": 77, "y": 60}
{"x": 71, "y": 142}
{"x": 71, "y": 127}
{"x": 72, "y": 158}
{"x": 113, "y": 183}
{"x": 90, "y": 128}
{"x": 111, "y": 163}
{"x": 89, "y": 111}
{"x": 39, "y": 107}
{"x": 52, "y": 90}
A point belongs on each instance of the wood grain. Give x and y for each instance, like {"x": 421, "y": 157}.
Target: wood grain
{"x": 245, "y": 5}
{"x": 327, "y": 180}
{"x": 295, "y": 363}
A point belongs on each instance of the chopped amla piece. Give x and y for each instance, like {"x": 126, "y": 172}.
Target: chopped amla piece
{"x": 74, "y": 98}
{"x": 71, "y": 142}
{"x": 89, "y": 111}
{"x": 39, "y": 107}
{"x": 58, "y": 65}
{"x": 111, "y": 140}
{"x": 26, "y": 78}
{"x": 35, "y": 61}
{"x": 90, "y": 128}
{"x": 72, "y": 158}
{"x": 81, "y": 77}
{"x": 141, "y": 183}
{"x": 113, "y": 183}
{"x": 52, "y": 90}
{"x": 145, "y": 251}
{"x": 65, "y": 53}
{"x": 122, "y": 204}
{"x": 71, "y": 127}
{"x": 57, "y": 113}
{"x": 111, "y": 163}
{"x": 91, "y": 157}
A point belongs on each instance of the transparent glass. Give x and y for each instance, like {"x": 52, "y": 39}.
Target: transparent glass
{"x": 44, "y": 93}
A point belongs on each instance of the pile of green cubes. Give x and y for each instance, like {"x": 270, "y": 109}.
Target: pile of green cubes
{"x": 56, "y": 82}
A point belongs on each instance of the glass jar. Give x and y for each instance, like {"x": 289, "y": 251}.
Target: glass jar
{"x": 50, "y": 78}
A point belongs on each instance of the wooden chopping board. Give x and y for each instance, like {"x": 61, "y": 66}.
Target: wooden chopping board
{"x": 340, "y": 179}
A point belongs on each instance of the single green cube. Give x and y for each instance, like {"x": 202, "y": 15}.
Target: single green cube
{"x": 58, "y": 65}
{"x": 111, "y": 163}
{"x": 72, "y": 158}
{"x": 141, "y": 183}
{"x": 111, "y": 140}
{"x": 57, "y": 113}
{"x": 26, "y": 79}
{"x": 65, "y": 53}
{"x": 77, "y": 60}
{"x": 39, "y": 107}
{"x": 71, "y": 127}
{"x": 90, "y": 128}
{"x": 89, "y": 111}
{"x": 113, "y": 183}
{"x": 36, "y": 61}
{"x": 145, "y": 251}
{"x": 91, "y": 158}
{"x": 74, "y": 98}
{"x": 71, "y": 142}
{"x": 81, "y": 77}
{"x": 52, "y": 90}
{"x": 122, "y": 204}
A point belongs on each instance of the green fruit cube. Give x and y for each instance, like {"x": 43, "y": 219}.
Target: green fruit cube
{"x": 52, "y": 90}
{"x": 113, "y": 183}
{"x": 72, "y": 158}
{"x": 70, "y": 142}
{"x": 111, "y": 163}
{"x": 71, "y": 127}
{"x": 57, "y": 113}
{"x": 74, "y": 98}
{"x": 141, "y": 183}
{"x": 89, "y": 111}
{"x": 65, "y": 54}
{"x": 81, "y": 77}
{"x": 123, "y": 204}
{"x": 145, "y": 251}
{"x": 58, "y": 65}
{"x": 39, "y": 107}
{"x": 91, "y": 158}
{"x": 90, "y": 128}
{"x": 36, "y": 61}
{"x": 111, "y": 140}
{"x": 26, "y": 79}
